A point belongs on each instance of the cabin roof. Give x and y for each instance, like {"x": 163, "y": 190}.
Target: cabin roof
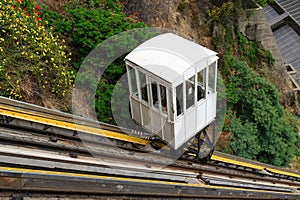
{"x": 169, "y": 56}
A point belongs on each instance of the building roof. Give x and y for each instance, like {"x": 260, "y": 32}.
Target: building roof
{"x": 286, "y": 36}
{"x": 292, "y": 7}
{"x": 169, "y": 56}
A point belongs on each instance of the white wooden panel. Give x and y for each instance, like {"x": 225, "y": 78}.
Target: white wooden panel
{"x": 156, "y": 123}
{"x": 136, "y": 112}
{"x": 179, "y": 133}
{"x": 211, "y": 107}
{"x": 190, "y": 124}
{"x": 146, "y": 117}
{"x": 168, "y": 133}
{"x": 201, "y": 115}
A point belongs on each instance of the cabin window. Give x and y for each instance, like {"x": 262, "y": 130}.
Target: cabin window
{"x": 143, "y": 86}
{"x": 190, "y": 92}
{"x": 201, "y": 84}
{"x": 179, "y": 99}
{"x": 212, "y": 77}
{"x": 163, "y": 99}
{"x": 154, "y": 94}
{"x": 170, "y": 104}
{"x": 132, "y": 79}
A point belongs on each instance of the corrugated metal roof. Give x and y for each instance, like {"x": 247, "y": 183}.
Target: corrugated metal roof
{"x": 270, "y": 13}
{"x": 292, "y": 7}
{"x": 287, "y": 38}
{"x": 289, "y": 44}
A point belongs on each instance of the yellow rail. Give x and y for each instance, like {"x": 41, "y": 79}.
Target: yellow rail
{"x": 39, "y": 118}
{"x": 138, "y": 180}
{"x": 11, "y": 112}
{"x": 255, "y": 166}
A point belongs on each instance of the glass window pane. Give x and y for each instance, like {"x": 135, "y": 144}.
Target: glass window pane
{"x": 179, "y": 99}
{"x": 143, "y": 86}
{"x": 190, "y": 92}
{"x": 133, "y": 81}
{"x": 163, "y": 97}
{"x": 154, "y": 94}
{"x": 201, "y": 84}
{"x": 211, "y": 77}
{"x": 170, "y": 104}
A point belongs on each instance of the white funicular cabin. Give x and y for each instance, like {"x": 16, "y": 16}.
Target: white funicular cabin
{"x": 172, "y": 84}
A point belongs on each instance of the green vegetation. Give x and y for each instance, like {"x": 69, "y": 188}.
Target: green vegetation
{"x": 257, "y": 125}
{"x": 260, "y": 129}
{"x": 42, "y": 48}
{"x": 85, "y": 24}
{"x": 264, "y": 2}
{"x": 33, "y": 60}
{"x": 183, "y": 6}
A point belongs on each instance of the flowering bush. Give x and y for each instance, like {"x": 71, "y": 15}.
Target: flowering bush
{"x": 85, "y": 24}
{"x": 29, "y": 53}
{"x": 222, "y": 14}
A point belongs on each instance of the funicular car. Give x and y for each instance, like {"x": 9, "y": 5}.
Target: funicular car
{"x": 172, "y": 85}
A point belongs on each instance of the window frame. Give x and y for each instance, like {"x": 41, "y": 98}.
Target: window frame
{"x": 202, "y": 84}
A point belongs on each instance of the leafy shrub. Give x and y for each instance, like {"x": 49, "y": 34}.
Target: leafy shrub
{"x": 112, "y": 73}
{"x": 253, "y": 53}
{"x": 30, "y": 53}
{"x": 222, "y": 14}
{"x": 263, "y": 3}
{"x": 245, "y": 141}
{"x": 262, "y": 130}
{"x": 85, "y": 25}
{"x": 182, "y": 6}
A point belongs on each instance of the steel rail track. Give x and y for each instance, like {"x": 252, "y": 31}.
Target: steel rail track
{"x": 286, "y": 181}
{"x": 33, "y": 113}
{"x": 10, "y": 155}
{"x": 75, "y": 147}
{"x": 44, "y": 181}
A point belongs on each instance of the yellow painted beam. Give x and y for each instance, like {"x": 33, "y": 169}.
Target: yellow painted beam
{"x": 253, "y": 166}
{"x": 11, "y": 112}
{"x": 230, "y": 161}
{"x": 20, "y": 114}
{"x": 139, "y": 180}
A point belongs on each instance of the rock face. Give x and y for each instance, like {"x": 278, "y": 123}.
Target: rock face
{"x": 184, "y": 16}
{"x": 258, "y": 28}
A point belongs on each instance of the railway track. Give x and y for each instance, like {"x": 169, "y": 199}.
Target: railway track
{"x": 41, "y": 153}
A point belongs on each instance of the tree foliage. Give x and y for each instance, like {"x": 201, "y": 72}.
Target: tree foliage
{"x": 85, "y": 24}
{"x": 257, "y": 122}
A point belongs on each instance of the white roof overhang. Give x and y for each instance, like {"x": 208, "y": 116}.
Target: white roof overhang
{"x": 170, "y": 57}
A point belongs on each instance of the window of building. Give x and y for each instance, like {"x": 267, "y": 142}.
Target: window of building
{"x": 190, "y": 92}
{"x": 212, "y": 77}
{"x": 179, "y": 99}
{"x": 132, "y": 79}
{"x": 163, "y": 98}
{"x": 154, "y": 94}
{"x": 201, "y": 84}
{"x": 143, "y": 86}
